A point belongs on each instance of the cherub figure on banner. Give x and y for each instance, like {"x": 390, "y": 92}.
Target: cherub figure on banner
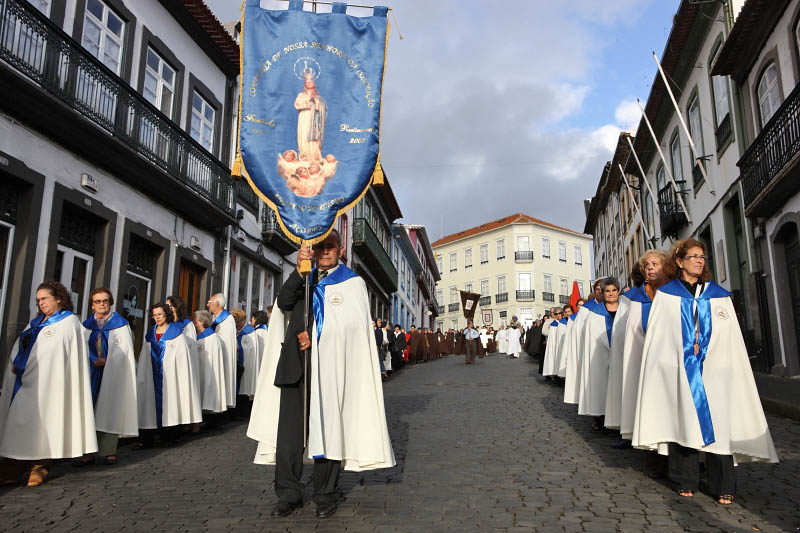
{"x": 305, "y": 170}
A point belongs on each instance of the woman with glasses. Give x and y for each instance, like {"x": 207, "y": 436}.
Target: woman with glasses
{"x": 113, "y": 374}
{"x": 46, "y": 401}
{"x": 697, "y": 394}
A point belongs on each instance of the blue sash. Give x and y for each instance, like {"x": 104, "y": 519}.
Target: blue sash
{"x": 114, "y": 321}
{"x": 220, "y": 317}
{"x": 638, "y": 294}
{"x": 341, "y": 274}
{"x": 261, "y": 326}
{"x": 693, "y": 363}
{"x": 205, "y": 333}
{"x": 599, "y": 308}
{"x": 157, "y": 350}
{"x": 26, "y": 341}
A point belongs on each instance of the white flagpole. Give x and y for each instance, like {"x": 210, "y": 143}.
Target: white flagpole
{"x": 664, "y": 161}
{"x": 685, "y": 129}
{"x": 653, "y": 197}
{"x": 633, "y": 201}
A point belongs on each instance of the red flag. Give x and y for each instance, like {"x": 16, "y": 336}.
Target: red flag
{"x": 576, "y": 295}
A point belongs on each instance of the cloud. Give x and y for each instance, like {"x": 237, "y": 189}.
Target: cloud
{"x": 627, "y": 115}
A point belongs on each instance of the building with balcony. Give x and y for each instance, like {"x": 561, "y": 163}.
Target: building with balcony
{"x": 762, "y": 57}
{"x": 405, "y": 310}
{"x": 368, "y": 235}
{"x": 518, "y": 264}
{"x": 118, "y": 119}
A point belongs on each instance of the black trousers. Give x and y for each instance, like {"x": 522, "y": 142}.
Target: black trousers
{"x": 472, "y": 349}
{"x": 684, "y": 470}
{"x": 289, "y": 455}
{"x": 397, "y": 360}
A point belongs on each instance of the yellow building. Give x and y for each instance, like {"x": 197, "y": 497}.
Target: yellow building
{"x": 521, "y": 266}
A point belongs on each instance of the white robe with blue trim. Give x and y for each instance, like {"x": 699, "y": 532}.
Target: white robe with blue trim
{"x": 613, "y": 409}
{"x": 595, "y": 352}
{"x": 572, "y": 360}
{"x": 665, "y": 411}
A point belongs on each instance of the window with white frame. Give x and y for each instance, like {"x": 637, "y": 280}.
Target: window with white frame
{"x": 468, "y": 287}
{"x": 102, "y": 34}
{"x": 562, "y": 251}
{"x": 439, "y": 296}
{"x": 453, "y": 323}
{"x": 545, "y": 247}
{"x": 454, "y": 295}
{"x": 719, "y": 86}
{"x": 453, "y": 261}
{"x": 769, "y": 97}
{"x": 695, "y": 126}
{"x": 159, "y": 82}
{"x": 523, "y": 243}
{"x": 661, "y": 177}
{"x": 484, "y": 251}
{"x": 548, "y": 283}
{"x": 485, "y": 287}
{"x": 501, "y": 249}
{"x": 524, "y": 281}
{"x": 439, "y": 263}
{"x": 468, "y": 258}
{"x": 564, "y": 285}
{"x": 578, "y": 255}
{"x": 202, "y": 128}
{"x": 502, "y": 285}
{"x": 403, "y": 275}
{"x": 675, "y": 157}
{"x": 580, "y": 288}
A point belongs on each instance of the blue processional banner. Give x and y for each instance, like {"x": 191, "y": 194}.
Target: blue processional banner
{"x": 309, "y": 111}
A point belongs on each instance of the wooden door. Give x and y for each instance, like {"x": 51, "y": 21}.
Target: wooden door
{"x": 191, "y": 277}
{"x": 793, "y": 269}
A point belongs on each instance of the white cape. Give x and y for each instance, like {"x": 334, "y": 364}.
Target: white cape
{"x": 563, "y": 347}
{"x": 211, "y": 357}
{"x": 180, "y": 400}
{"x": 347, "y": 420}
{"x": 226, "y": 330}
{"x": 251, "y": 349}
{"x": 514, "y": 347}
{"x": 631, "y": 367}
{"x": 571, "y": 354}
{"x": 665, "y": 411}
{"x": 116, "y": 411}
{"x": 51, "y": 416}
{"x": 551, "y": 349}
{"x": 502, "y": 340}
{"x": 614, "y": 390}
{"x": 595, "y": 351}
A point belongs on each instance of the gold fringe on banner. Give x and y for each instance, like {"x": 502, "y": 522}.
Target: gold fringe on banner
{"x": 377, "y": 174}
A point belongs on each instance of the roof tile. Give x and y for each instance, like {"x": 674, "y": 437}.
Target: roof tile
{"x": 499, "y": 223}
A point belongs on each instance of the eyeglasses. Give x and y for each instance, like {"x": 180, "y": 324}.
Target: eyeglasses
{"x": 695, "y": 257}
{"x": 98, "y": 302}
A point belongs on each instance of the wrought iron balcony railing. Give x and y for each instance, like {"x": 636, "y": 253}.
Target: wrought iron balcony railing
{"x": 40, "y": 50}
{"x": 246, "y": 196}
{"x": 485, "y": 300}
{"x": 272, "y": 234}
{"x": 548, "y": 297}
{"x": 563, "y": 299}
{"x": 765, "y": 167}
{"x": 526, "y": 296}
{"x": 370, "y": 248}
{"x": 500, "y": 298}
{"x": 452, "y": 308}
{"x": 671, "y": 213}
{"x": 523, "y": 257}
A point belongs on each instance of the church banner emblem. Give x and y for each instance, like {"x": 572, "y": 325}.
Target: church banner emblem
{"x": 309, "y": 114}
{"x": 487, "y": 316}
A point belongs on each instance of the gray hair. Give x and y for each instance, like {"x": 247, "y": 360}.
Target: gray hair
{"x": 204, "y": 317}
{"x": 219, "y": 298}
{"x": 611, "y": 280}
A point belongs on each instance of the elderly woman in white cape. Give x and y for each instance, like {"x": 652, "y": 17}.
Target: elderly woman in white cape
{"x": 572, "y": 365}
{"x": 551, "y": 348}
{"x": 166, "y": 392}
{"x": 697, "y": 392}
{"x": 225, "y": 327}
{"x": 113, "y": 375}
{"x": 595, "y": 353}
{"x": 211, "y": 358}
{"x": 46, "y": 402}
{"x": 613, "y": 409}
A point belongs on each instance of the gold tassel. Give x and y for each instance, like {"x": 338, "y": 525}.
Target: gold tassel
{"x": 237, "y": 166}
{"x": 377, "y": 175}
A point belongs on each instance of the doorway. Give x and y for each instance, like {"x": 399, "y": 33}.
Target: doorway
{"x": 792, "y": 247}
{"x": 135, "y": 290}
{"x": 74, "y": 271}
{"x": 189, "y": 281}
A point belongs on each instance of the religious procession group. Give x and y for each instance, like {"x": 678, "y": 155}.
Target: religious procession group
{"x": 400, "y": 347}
{"x": 665, "y": 365}
{"x": 73, "y": 389}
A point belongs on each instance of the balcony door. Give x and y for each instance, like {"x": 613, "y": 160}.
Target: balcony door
{"x": 792, "y": 247}
{"x": 74, "y": 271}
{"x": 159, "y": 90}
{"x": 103, "y": 33}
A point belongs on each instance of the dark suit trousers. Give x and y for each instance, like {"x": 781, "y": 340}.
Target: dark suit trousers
{"x": 684, "y": 470}
{"x": 289, "y": 456}
{"x": 472, "y": 350}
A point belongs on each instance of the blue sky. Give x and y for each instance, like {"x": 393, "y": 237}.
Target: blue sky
{"x": 510, "y": 106}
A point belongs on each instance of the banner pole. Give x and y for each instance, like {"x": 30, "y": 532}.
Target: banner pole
{"x": 633, "y": 201}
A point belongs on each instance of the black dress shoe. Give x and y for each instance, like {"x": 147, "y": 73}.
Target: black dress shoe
{"x": 622, "y": 444}
{"x": 324, "y": 510}
{"x": 282, "y": 509}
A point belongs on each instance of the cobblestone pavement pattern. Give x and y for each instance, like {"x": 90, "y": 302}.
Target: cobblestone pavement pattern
{"x": 482, "y": 447}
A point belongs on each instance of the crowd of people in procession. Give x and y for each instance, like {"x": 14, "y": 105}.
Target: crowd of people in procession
{"x": 72, "y": 389}
{"x": 662, "y": 362}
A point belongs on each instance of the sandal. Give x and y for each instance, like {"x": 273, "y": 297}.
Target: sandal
{"x": 686, "y": 493}
{"x": 37, "y": 475}
{"x": 111, "y": 460}
{"x": 725, "y": 499}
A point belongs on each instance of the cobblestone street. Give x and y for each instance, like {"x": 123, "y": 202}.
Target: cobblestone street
{"x": 482, "y": 447}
